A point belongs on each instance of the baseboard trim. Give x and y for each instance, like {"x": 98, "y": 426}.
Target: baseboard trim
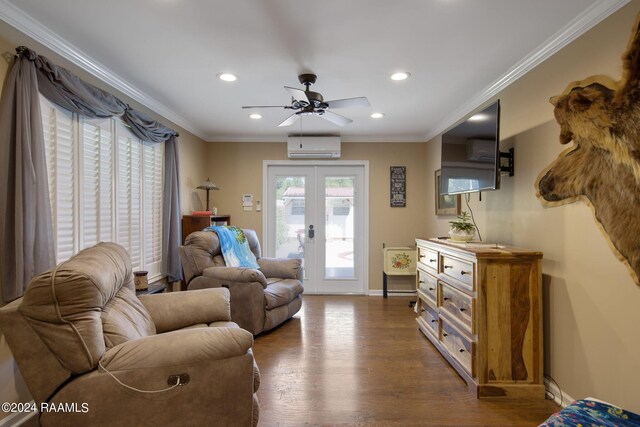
{"x": 559, "y": 397}
{"x": 17, "y": 418}
{"x": 379, "y": 293}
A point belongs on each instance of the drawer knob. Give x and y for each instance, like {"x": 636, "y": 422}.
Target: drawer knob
{"x": 434, "y": 320}
{"x": 462, "y": 309}
{"x": 444, "y": 334}
{"x": 446, "y": 298}
{"x": 462, "y": 350}
{"x": 423, "y": 256}
{"x": 462, "y": 272}
{"x": 432, "y": 260}
{"x": 432, "y": 289}
{"x": 448, "y": 266}
{"x": 422, "y": 281}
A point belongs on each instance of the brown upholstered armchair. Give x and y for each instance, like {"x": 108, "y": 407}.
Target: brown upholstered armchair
{"x": 260, "y": 299}
{"x": 81, "y": 336}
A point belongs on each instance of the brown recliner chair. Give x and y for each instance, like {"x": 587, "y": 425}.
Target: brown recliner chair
{"x": 82, "y": 338}
{"x": 260, "y": 299}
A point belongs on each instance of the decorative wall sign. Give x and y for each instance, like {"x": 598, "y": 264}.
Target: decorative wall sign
{"x": 600, "y": 116}
{"x": 398, "y": 186}
{"x": 446, "y": 204}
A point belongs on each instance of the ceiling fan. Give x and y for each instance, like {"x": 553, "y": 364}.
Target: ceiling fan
{"x": 307, "y": 103}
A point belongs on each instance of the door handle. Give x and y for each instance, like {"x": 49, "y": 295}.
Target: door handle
{"x": 312, "y": 232}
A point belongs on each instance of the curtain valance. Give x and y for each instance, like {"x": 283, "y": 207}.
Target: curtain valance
{"x": 26, "y": 231}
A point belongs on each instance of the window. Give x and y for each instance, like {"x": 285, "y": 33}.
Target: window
{"x": 341, "y": 210}
{"x": 105, "y": 184}
{"x": 297, "y": 207}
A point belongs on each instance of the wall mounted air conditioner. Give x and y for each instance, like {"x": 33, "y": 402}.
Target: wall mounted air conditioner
{"x": 482, "y": 150}
{"x": 313, "y": 147}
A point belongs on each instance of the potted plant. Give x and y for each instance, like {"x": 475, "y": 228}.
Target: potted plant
{"x": 462, "y": 230}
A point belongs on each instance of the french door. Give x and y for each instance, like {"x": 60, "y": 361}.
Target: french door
{"x": 318, "y": 213}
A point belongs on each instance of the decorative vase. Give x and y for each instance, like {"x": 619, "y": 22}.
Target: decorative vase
{"x": 461, "y": 235}
{"x": 140, "y": 280}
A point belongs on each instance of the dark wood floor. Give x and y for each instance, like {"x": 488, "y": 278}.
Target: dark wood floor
{"x": 361, "y": 361}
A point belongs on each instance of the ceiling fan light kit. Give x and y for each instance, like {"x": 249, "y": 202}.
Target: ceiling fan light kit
{"x": 309, "y": 103}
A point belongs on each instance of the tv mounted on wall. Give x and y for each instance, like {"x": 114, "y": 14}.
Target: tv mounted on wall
{"x": 470, "y": 160}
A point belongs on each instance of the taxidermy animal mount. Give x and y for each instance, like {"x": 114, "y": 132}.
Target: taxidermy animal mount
{"x": 602, "y": 119}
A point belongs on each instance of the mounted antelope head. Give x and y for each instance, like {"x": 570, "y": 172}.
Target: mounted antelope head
{"x": 601, "y": 118}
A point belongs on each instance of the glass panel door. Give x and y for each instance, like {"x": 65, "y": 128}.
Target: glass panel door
{"x": 339, "y": 221}
{"x": 290, "y": 216}
{"x": 341, "y": 231}
{"x": 316, "y": 213}
{"x": 289, "y": 207}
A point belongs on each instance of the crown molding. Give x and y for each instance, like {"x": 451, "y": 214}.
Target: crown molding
{"x": 41, "y": 34}
{"x": 24, "y": 23}
{"x": 343, "y": 138}
{"x": 595, "y": 14}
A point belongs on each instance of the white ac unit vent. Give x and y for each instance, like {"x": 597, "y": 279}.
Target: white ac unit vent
{"x": 313, "y": 147}
{"x": 481, "y": 150}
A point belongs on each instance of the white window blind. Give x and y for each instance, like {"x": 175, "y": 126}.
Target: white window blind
{"x": 105, "y": 185}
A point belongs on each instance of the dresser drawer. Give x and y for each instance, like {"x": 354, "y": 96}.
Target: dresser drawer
{"x": 428, "y": 257}
{"x": 458, "y": 269}
{"x": 458, "y": 305}
{"x": 427, "y": 284}
{"x": 458, "y": 346}
{"x": 429, "y": 316}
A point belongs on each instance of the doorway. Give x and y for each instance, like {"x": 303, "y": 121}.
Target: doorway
{"x": 318, "y": 212}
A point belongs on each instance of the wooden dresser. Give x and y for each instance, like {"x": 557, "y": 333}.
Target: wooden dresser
{"x": 481, "y": 306}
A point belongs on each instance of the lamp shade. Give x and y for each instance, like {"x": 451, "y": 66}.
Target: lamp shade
{"x": 207, "y": 185}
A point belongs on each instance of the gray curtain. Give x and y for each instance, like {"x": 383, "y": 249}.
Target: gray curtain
{"x": 26, "y": 233}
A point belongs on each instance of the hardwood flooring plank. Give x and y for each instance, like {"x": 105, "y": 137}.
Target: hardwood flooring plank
{"x": 361, "y": 361}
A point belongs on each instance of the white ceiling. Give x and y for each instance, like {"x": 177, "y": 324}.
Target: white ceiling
{"x": 166, "y": 54}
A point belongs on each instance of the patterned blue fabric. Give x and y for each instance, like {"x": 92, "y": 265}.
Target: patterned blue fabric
{"x": 588, "y": 413}
{"x": 235, "y": 249}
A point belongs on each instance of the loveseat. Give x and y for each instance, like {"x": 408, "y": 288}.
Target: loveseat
{"x": 261, "y": 299}
{"x": 92, "y": 353}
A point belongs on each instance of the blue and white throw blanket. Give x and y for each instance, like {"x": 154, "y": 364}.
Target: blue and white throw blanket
{"x": 235, "y": 249}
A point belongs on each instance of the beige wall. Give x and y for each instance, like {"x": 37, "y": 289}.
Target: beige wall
{"x": 591, "y": 308}
{"x": 237, "y": 169}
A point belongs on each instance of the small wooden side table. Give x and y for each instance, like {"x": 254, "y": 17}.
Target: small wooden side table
{"x": 191, "y": 223}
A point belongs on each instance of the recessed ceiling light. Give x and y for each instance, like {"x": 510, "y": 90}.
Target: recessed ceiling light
{"x": 227, "y": 77}
{"x": 377, "y": 115}
{"x": 478, "y": 118}
{"x": 401, "y": 75}
{"x": 255, "y": 116}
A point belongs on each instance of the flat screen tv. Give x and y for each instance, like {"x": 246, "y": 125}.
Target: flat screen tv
{"x": 470, "y": 159}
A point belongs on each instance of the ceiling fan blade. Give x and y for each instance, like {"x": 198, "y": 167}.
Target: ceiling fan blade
{"x": 298, "y": 94}
{"x": 349, "y": 102}
{"x": 336, "y": 118}
{"x": 265, "y": 106}
{"x": 290, "y": 120}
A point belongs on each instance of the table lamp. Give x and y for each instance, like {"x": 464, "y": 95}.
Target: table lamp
{"x": 208, "y": 186}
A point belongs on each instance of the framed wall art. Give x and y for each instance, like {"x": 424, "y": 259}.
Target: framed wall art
{"x": 447, "y": 204}
{"x": 398, "y": 197}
